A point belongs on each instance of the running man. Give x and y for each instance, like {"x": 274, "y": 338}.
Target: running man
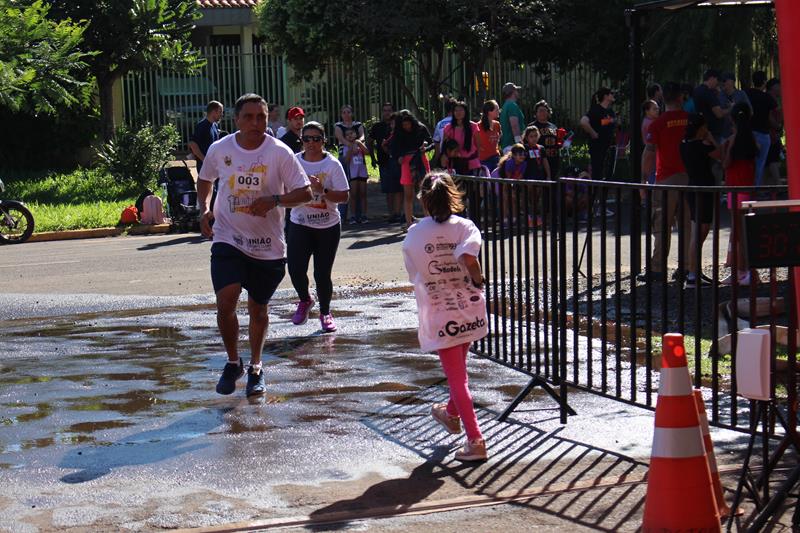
{"x": 258, "y": 177}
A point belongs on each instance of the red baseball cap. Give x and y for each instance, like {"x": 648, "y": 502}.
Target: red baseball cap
{"x": 295, "y": 112}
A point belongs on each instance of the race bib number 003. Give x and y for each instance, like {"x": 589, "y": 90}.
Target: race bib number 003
{"x": 248, "y": 182}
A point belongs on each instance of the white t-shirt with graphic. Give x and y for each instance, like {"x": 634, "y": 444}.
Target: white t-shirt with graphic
{"x": 245, "y": 175}
{"x": 452, "y": 311}
{"x": 319, "y": 212}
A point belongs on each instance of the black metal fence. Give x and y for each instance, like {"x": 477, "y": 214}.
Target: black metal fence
{"x": 583, "y": 278}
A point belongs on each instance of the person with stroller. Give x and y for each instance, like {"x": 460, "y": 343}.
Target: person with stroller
{"x": 258, "y": 176}
{"x": 315, "y": 228}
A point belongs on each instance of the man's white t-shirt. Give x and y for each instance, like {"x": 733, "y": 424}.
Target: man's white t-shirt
{"x": 452, "y": 311}
{"x": 319, "y": 212}
{"x": 245, "y": 175}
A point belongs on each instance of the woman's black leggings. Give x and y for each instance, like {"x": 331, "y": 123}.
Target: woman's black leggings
{"x": 304, "y": 242}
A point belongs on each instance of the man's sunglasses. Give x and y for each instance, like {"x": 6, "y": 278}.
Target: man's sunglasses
{"x": 312, "y": 138}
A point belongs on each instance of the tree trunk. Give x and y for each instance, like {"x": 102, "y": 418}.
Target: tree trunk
{"x": 105, "y": 87}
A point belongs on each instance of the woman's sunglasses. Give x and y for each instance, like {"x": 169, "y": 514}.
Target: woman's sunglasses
{"x": 312, "y": 138}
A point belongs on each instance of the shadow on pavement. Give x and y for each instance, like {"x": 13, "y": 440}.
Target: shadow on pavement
{"x": 523, "y": 459}
{"x": 192, "y": 239}
{"x": 146, "y": 447}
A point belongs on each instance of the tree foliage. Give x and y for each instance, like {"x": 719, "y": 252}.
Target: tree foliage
{"x": 42, "y": 67}
{"x": 130, "y": 35}
{"x": 394, "y": 32}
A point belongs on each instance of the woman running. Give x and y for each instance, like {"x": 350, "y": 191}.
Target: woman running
{"x": 314, "y": 228}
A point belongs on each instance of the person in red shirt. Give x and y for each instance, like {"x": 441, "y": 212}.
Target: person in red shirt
{"x": 662, "y": 148}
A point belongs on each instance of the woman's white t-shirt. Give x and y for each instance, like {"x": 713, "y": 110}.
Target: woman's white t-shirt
{"x": 319, "y": 212}
{"x": 244, "y": 176}
{"x": 452, "y": 311}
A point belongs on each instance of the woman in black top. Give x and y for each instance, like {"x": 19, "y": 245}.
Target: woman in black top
{"x": 408, "y": 144}
{"x": 697, "y": 150}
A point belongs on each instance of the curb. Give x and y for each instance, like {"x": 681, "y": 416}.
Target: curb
{"x": 139, "y": 229}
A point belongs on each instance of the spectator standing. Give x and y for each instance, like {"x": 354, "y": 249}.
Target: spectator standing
{"x": 739, "y": 154}
{"x": 512, "y": 119}
{"x": 763, "y": 119}
{"x": 340, "y": 130}
{"x": 465, "y": 133}
{"x": 548, "y": 136}
{"x": 389, "y": 169}
{"x": 274, "y": 120}
{"x": 775, "y": 155}
{"x": 438, "y": 130}
{"x": 295, "y": 118}
{"x": 410, "y": 140}
{"x": 688, "y": 99}
{"x": 662, "y": 148}
{"x": 697, "y": 150}
{"x": 729, "y": 96}
{"x": 354, "y": 155}
{"x": 706, "y": 102}
{"x": 650, "y": 112}
{"x": 206, "y": 132}
{"x": 656, "y": 94}
{"x": 489, "y": 135}
{"x": 537, "y": 167}
{"x": 258, "y": 176}
{"x": 600, "y": 122}
{"x": 315, "y": 229}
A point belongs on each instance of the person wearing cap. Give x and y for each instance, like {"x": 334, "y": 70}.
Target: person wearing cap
{"x": 295, "y": 118}
{"x": 728, "y": 97}
{"x": 512, "y": 119}
{"x": 706, "y": 102}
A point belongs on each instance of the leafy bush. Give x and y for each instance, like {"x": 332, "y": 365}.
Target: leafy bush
{"x": 134, "y": 157}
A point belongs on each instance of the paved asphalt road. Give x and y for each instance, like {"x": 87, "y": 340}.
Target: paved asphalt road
{"x": 174, "y": 264}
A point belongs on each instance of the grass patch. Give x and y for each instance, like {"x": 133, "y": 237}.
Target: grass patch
{"x": 83, "y": 199}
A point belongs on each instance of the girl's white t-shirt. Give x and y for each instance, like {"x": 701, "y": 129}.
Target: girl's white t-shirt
{"x": 319, "y": 212}
{"x": 452, "y": 311}
{"x": 244, "y": 176}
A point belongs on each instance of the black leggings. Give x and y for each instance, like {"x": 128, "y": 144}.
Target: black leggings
{"x": 322, "y": 244}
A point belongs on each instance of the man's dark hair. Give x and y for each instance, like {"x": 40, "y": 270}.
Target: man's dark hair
{"x": 272, "y": 107}
{"x": 387, "y": 104}
{"x": 759, "y": 78}
{"x": 772, "y": 83}
{"x": 246, "y": 99}
{"x": 212, "y": 105}
{"x": 652, "y": 90}
{"x": 672, "y": 92}
{"x": 542, "y": 103}
{"x": 601, "y": 93}
{"x": 710, "y": 73}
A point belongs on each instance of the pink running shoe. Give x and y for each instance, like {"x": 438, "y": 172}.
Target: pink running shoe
{"x": 327, "y": 323}
{"x": 301, "y": 314}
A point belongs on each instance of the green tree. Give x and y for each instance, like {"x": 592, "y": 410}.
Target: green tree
{"x": 130, "y": 35}
{"x": 42, "y": 68}
{"x": 392, "y": 33}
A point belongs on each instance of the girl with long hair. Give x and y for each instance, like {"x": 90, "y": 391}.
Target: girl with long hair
{"x": 489, "y": 135}
{"x": 466, "y": 133}
{"x": 408, "y": 144}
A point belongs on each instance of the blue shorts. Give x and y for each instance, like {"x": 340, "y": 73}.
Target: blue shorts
{"x": 259, "y": 277}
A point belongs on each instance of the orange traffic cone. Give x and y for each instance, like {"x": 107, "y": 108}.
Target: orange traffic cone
{"x": 680, "y": 495}
{"x": 719, "y": 495}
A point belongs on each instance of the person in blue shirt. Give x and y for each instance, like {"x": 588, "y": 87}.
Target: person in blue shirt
{"x": 206, "y": 132}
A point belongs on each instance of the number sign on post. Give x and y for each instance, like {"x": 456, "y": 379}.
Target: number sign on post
{"x": 772, "y": 239}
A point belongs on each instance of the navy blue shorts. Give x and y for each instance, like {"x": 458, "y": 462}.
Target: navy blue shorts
{"x": 259, "y": 277}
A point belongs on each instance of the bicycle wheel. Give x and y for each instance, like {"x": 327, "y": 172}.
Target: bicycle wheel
{"x": 16, "y": 222}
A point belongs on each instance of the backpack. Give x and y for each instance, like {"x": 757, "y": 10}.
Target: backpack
{"x": 130, "y": 215}
{"x": 152, "y": 210}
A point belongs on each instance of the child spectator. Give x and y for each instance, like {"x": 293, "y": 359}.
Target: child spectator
{"x": 353, "y": 154}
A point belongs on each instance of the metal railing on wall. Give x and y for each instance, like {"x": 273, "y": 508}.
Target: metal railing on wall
{"x": 161, "y": 95}
{"x": 569, "y": 308}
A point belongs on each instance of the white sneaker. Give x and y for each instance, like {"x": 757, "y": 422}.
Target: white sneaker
{"x": 743, "y": 279}
{"x": 473, "y": 450}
